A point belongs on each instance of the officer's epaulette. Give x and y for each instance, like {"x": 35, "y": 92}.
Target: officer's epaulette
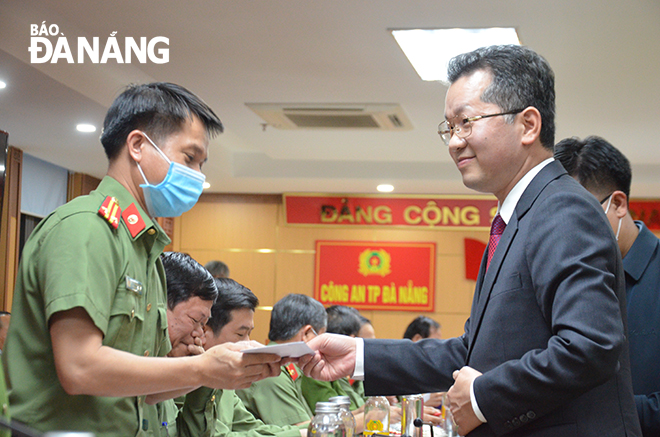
{"x": 110, "y": 211}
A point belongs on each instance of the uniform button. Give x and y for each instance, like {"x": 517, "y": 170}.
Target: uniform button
{"x": 515, "y": 421}
{"x": 146, "y": 353}
{"x": 523, "y": 418}
{"x": 148, "y": 307}
{"x": 151, "y": 231}
{"x": 508, "y": 424}
{"x": 531, "y": 414}
{"x": 213, "y": 398}
{"x": 132, "y": 313}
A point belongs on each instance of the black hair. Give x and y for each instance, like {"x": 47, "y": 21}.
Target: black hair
{"x": 186, "y": 278}
{"x": 422, "y": 325}
{"x": 521, "y": 78}
{"x": 291, "y": 313}
{"x": 218, "y": 269}
{"x": 596, "y": 164}
{"x": 363, "y": 320}
{"x": 159, "y": 109}
{"x": 343, "y": 320}
{"x": 231, "y": 296}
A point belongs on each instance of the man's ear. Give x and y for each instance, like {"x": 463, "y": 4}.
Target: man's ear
{"x": 531, "y": 119}
{"x": 134, "y": 143}
{"x": 619, "y": 203}
{"x": 306, "y": 333}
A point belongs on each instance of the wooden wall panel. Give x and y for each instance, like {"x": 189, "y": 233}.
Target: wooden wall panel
{"x": 229, "y": 225}
{"x": 80, "y": 184}
{"x": 10, "y": 230}
{"x": 254, "y": 270}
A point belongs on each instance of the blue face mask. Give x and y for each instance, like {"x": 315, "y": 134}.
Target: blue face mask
{"x": 178, "y": 192}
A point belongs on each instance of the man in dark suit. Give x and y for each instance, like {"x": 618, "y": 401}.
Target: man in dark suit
{"x": 544, "y": 351}
{"x": 605, "y": 172}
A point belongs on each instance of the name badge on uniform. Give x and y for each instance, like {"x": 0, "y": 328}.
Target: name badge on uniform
{"x": 134, "y": 285}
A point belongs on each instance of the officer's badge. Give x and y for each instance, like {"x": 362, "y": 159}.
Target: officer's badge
{"x": 110, "y": 211}
{"x": 133, "y": 220}
{"x": 293, "y": 372}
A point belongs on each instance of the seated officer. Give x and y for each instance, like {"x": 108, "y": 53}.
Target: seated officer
{"x": 279, "y": 400}
{"x": 209, "y": 412}
{"x": 191, "y": 292}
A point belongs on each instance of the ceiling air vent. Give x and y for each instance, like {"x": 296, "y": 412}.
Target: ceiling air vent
{"x": 332, "y": 116}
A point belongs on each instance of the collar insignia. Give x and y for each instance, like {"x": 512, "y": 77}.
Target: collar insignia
{"x": 133, "y": 220}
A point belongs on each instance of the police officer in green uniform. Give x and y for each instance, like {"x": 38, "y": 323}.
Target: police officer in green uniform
{"x": 89, "y": 316}
{"x": 295, "y": 317}
{"x": 191, "y": 292}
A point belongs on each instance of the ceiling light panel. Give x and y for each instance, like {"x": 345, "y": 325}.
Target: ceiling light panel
{"x": 429, "y": 50}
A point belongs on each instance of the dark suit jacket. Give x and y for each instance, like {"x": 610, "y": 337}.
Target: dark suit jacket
{"x": 546, "y": 329}
{"x": 642, "y": 267}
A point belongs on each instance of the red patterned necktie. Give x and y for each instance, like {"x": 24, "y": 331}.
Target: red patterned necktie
{"x": 496, "y": 230}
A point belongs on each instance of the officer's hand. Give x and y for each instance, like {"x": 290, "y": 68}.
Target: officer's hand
{"x": 226, "y": 367}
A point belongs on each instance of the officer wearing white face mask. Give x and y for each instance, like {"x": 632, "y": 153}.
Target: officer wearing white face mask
{"x": 605, "y": 172}
{"x": 86, "y": 346}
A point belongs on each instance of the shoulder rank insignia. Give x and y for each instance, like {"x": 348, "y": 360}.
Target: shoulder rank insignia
{"x": 293, "y": 372}
{"x": 110, "y": 211}
{"x": 133, "y": 220}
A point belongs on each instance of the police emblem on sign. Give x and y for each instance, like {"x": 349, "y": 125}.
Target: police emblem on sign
{"x": 375, "y": 262}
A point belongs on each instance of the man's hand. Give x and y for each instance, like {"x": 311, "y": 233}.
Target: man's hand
{"x": 334, "y": 357}
{"x": 226, "y": 367}
{"x": 458, "y": 398}
{"x": 185, "y": 350}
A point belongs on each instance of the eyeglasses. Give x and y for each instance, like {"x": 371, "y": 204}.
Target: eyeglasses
{"x": 462, "y": 125}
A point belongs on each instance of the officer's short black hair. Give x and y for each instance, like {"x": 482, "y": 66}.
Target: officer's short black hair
{"x": 596, "y": 164}
{"x": 291, "y": 313}
{"x": 343, "y": 320}
{"x": 231, "y": 296}
{"x": 218, "y": 269}
{"x": 422, "y": 325}
{"x": 186, "y": 278}
{"x": 159, "y": 109}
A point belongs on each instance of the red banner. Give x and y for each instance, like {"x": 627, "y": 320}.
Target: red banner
{"x": 429, "y": 212}
{"x": 375, "y": 275}
{"x": 647, "y": 211}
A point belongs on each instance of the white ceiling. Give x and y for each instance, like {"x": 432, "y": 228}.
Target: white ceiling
{"x": 232, "y": 52}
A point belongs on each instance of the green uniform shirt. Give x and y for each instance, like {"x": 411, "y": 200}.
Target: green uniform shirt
{"x": 4, "y": 403}
{"x": 278, "y": 400}
{"x": 160, "y": 419}
{"x": 76, "y": 258}
{"x": 321, "y": 391}
{"x": 220, "y": 413}
{"x": 352, "y": 391}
